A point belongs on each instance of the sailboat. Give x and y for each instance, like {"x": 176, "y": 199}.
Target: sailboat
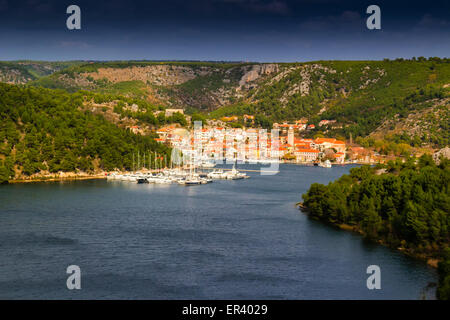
{"x": 191, "y": 179}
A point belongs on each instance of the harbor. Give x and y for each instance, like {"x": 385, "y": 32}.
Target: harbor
{"x": 182, "y": 176}
{"x": 196, "y": 170}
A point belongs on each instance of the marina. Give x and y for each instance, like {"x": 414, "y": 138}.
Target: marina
{"x": 205, "y": 172}
{"x": 179, "y": 176}
{"x": 193, "y": 172}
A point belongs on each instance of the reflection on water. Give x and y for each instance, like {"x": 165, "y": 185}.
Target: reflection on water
{"x": 226, "y": 240}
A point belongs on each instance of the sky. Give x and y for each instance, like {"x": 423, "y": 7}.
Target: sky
{"x": 223, "y": 30}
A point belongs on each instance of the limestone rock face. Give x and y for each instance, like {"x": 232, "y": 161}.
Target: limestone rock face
{"x": 257, "y": 71}
{"x": 157, "y": 74}
{"x": 445, "y": 152}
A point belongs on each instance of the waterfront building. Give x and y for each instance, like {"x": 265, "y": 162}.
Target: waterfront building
{"x": 329, "y": 143}
{"x": 339, "y": 157}
{"x": 306, "y": 155}
{"x": 250, "y": 144}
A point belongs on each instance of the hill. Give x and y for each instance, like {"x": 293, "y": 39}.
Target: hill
{"x": 198, "y": 85}
{"x": 368, "y": 99}
{"x": 47, "y": 131}
{"x": 20, "y": 72}
{"x": 403, "y": 205}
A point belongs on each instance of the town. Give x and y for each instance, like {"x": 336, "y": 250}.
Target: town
{"x": 284, "y": 143}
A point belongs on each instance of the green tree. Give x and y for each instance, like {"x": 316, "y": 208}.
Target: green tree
{"x": 4, "y": 176}
{"x": 443, "y": 291}
{"x": 198, "y": 117}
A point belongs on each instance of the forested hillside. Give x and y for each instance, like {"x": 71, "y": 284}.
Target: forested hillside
{"x": 44, "y": 130}
{"x": 385, "y": 102}
{"x": 198, "y": 85}
{"x": 14, "y": 73}
{"x": 365, "y": 97}
{"x": 361, "y": 96}
{"x": 25, "y": 71}
{"x": 404, "y": 205}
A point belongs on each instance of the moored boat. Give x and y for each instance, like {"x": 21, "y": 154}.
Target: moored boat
{"x": 142, "y": 180}
{"x": 207, "y": 164}
{"x": 216, "y": 174}
{"x": 326, "y": 164}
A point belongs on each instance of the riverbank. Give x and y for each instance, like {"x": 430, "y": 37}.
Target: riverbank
{"x": 309, "y": 163}
{"x": 69, "y": 176}
{"x": 429, "y": 259}
{"x": 404, "y": 208}
{"x": 58, "y": 178}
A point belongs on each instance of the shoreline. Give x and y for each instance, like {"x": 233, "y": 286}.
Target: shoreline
{"x": 71, "y": 176}
{"x": 311, "y": 164}
{"x": 56, "y": 178}
{"x": 430, "y": 261}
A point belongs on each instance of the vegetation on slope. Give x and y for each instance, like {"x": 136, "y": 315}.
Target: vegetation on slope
{"x": 46, "y": 130}
{"x": 127, "y": 108}
{"x": 357, "y": 91}
{"x": 360, "y": 95}
{"x": 408, "y": 207}
{"x": 201, "y": 85}
{"x": 207, "y": 92}
{"x": 93, "y": 67}
{"x": 363, "y": 96}
{"x": 24, "y": 71}
{"x": 443, "y": 291}
{"x": 14, "y": 73}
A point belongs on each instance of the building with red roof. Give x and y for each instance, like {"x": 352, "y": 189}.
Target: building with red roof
{"x": 306, "y": 154}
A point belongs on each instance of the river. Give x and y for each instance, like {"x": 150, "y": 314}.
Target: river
{"x": 241, "y": 239}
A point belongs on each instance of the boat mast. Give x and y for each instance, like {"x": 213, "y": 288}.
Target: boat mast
{"x": 190, "y": 167}
{"x": 139, "y": 162}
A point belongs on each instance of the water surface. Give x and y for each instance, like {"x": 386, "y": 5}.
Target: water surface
{"x": 226, "y": 240}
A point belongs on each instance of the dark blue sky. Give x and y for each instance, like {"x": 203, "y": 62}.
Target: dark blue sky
{"x": 238, "y": 30}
